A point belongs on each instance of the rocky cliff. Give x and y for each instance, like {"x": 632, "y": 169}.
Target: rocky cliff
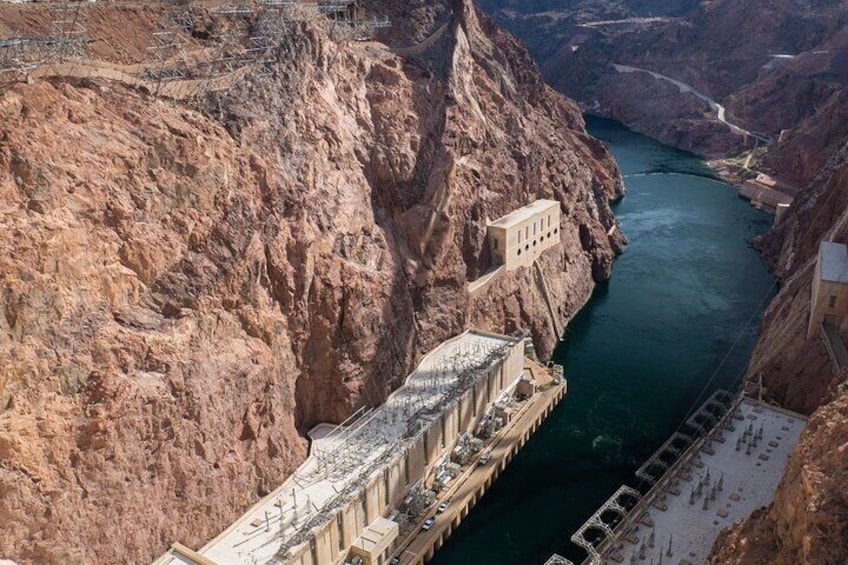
{"x": 188, "y": 285}
{"x": 780, "y": 68}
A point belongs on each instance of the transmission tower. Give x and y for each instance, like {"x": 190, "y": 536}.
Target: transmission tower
{"x": 167, "y": 59}
{"x": 69, "y": 28}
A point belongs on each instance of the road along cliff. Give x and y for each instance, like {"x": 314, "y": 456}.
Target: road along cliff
{"x": 767, "y": 77}
{"x": 192, "y": 280}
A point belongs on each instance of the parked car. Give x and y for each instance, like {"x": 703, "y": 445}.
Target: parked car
{"x": 394, "y": 561}
{"x": 485, "y": 457}
{"x": 443, "y": 506}
{"x": 428, "y": 523}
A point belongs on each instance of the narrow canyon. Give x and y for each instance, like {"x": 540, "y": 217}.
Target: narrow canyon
{"x": 224, "y": 223}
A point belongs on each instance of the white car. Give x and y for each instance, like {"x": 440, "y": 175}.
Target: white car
{"x": 443, "y": 506}
{"x": 428, "y": 523}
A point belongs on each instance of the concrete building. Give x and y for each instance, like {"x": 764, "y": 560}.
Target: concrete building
{"x": 517, "y": 239}
{"x": 767, "y": 193}
{"x": 340, "y": 505}
{"x": 830, "y": 287}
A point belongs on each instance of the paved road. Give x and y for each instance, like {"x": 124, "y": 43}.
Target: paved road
{"x": 627, "y": 21}
{"x": 683, "y": 87}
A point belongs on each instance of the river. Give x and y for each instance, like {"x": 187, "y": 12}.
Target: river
{"x": 636, "y": 358}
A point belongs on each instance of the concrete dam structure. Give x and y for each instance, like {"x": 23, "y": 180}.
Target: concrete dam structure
{"x": 367, "y": 484}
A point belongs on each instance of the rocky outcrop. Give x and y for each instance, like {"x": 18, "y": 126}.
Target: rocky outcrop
{"x": 795, "y": 370}
{"x": 187, "y": 289}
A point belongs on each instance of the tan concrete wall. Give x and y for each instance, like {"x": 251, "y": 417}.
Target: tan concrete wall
{"x": 396, "y": 486}
{"x": 433, "y": 442}
{"x": 497, "y": 244}
{"x": 361, "y": 516}
{"x": 349, "y": 525}
{"x": 481, "y": 399}
{"x": 325, "y": 547}
{"x": 520, "y": 244}
{"x": 373, "y": 500}
{"x": 417, "y": 460}
{"x": 451, "y": 419}
{"x": 821, "y": 293}
{"x": 301, "y": 556}
{"x": 514, "y": 363}
{"x": 494, "y": 390}
{"x": 466, "y": 407}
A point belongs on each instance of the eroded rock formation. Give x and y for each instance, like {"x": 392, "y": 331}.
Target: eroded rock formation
{"x": 187, "y": 288}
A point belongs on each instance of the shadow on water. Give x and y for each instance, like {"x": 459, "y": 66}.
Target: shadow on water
{"x": 636, "y": 357}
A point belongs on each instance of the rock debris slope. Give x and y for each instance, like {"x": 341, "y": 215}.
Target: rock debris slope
{"x": 186, "y": 290}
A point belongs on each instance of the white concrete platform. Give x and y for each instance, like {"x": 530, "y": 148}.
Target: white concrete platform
{"x": 342, "y": 458}
{"x": 748, "y": 483}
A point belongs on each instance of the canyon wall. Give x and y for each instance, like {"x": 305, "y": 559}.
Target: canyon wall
{"x": 808, "y": 520}
{"x": 779, "y": 68}
{"x": 190, "y": 285}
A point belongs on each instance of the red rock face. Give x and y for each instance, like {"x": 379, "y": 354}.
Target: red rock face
{"x": 186, "y": 291}
{"x": 796, "y": 370}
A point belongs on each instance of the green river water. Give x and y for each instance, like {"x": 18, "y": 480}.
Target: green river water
{"x": 636, "y": 358}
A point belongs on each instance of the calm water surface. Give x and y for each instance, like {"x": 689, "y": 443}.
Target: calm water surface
{"x": 636, "y": 358}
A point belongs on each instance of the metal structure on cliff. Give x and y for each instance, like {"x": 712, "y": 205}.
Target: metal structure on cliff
{"x": 69, "y": 28}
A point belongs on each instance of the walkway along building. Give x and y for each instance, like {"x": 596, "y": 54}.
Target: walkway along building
{"x": 364, "y": 479}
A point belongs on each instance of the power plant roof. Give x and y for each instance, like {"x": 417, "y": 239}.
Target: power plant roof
{"x": 833, "y": 259}
{"x": 524, "y": 213}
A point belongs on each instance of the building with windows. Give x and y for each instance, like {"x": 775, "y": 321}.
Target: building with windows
{"x": 342, "y": 504}
{"x": 830, "y": 287}
{"x": 520, "y": 237}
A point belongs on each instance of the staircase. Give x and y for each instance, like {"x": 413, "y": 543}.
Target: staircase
{"x": 834, "y": 345}
{"x": 540, "y": 278}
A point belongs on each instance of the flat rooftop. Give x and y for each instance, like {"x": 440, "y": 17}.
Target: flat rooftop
{"x": 523, "y": 213}
{"x": 747, "y": 481}
{"x": 343, "y": 458}
{"x": 834, "y": 261}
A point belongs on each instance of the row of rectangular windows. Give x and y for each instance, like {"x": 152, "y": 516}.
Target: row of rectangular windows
{"x": 527, "y": 229}
{"x": 495, "y": 244}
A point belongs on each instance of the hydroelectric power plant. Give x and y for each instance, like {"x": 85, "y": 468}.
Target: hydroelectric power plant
{"x": 364, "y": 491}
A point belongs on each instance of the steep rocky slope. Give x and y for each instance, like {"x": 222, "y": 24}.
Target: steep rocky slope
{"x": 780, "y": 68}
{"x": 186, "y": 290}
{"x": 795, "y": 370}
